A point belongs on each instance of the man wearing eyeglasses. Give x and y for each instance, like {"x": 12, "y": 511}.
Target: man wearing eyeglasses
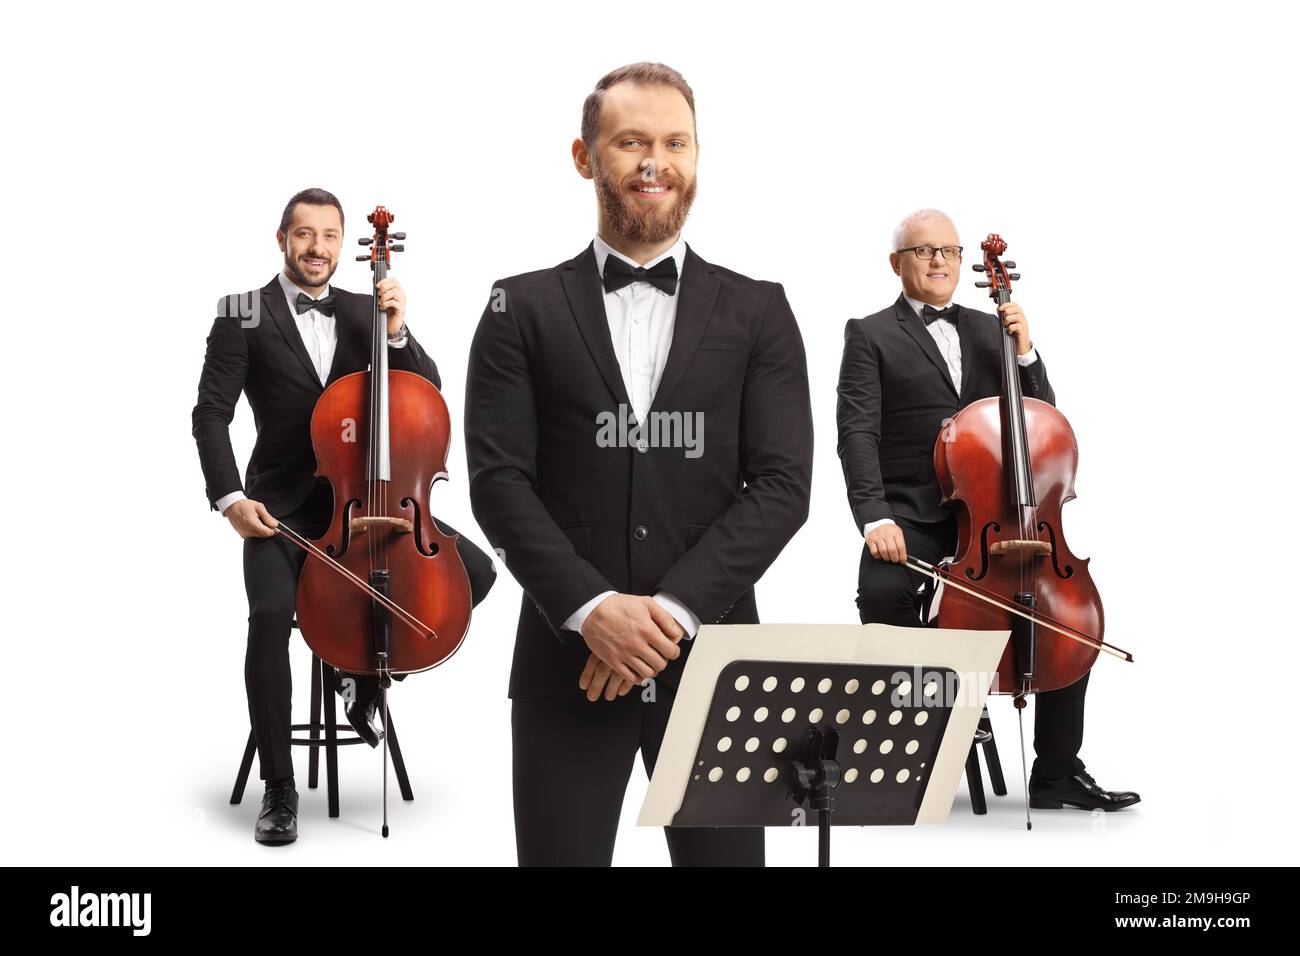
{"x": 906, "y": 369}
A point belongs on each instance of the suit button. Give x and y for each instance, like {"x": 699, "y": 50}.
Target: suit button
{"x": 641, "y": 532}
{"x": 642, "y": 446}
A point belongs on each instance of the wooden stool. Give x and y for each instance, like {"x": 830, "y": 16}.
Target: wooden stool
{"x": 324, "y": 685}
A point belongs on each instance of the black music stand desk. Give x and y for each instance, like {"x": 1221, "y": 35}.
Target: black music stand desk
{"x": 865, "y": 725}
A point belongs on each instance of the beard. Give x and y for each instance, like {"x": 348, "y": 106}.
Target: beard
{"x": 301, "y": 278}
{"x": 637, "y": 224}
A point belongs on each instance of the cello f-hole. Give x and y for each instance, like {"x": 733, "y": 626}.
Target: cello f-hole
{"x": 345, "y": 532}
{"x": 428, "y": 549}
{"x": 1064, "y": 572}
{"x": 984, "y": 551}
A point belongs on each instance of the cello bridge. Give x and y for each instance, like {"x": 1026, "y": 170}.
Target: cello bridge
{"x": 396, "y": 525}
{"x": 1030, "y": 546}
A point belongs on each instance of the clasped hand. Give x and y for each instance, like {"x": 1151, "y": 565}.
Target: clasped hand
{"x": 632, "y": 638}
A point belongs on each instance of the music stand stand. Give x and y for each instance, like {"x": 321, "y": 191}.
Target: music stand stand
{"x": 868, "y": 725}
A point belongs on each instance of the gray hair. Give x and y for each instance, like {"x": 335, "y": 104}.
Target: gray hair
{"x": 911, "y": 219}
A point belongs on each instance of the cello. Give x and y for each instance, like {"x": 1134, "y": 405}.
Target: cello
{"x": 381, "y": 438}
{"x": 1006, "y": 466}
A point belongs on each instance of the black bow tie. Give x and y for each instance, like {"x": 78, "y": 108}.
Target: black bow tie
{"x": 619, "y": 274}
{"x": 930, "y": 313}
{"x": 304, "y": 303}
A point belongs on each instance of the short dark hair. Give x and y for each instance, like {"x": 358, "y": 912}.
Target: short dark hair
{"x": 312, "y": 197}
{"x": 642, "y": 74}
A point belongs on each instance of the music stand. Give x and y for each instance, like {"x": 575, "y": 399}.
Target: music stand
{"x": 867, "y": 725}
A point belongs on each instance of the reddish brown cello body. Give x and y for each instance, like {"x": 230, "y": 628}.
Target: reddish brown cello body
{"x": 381, "y": 441}
{"x": 1006, "y": 466}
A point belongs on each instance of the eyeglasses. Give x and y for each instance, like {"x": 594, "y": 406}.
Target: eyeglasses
{"x": 927, "y": 252}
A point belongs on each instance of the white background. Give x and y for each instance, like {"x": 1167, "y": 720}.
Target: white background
{"x": 1139, "y": 158}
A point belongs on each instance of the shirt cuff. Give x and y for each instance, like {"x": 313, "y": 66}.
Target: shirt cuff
{"x": 225, "y": 501}
{"x": 579, "y": 617}
{"x": 683, "y": 615}
{"x": 871, "y": 526}
{"x": 1029, "y": 358}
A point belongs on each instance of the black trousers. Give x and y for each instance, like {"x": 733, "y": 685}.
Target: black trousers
{"x": 887, "y": 594}
{"x": 572, "y": 760}
{"x": 271, "y": 569}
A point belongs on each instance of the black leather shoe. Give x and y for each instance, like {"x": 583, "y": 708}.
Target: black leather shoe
{"x": 1079, "y": 791}
{"x": 361, "y": 715}
{"x": 277, "y": 824}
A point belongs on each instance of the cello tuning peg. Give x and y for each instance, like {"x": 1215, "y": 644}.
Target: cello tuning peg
{"x": 1009, "y": 264}
{"x": 397, "y": 248}
{"x": 1014, "y": 277}
{"x": 363, "y": 258}
{"x": 978, "y": 268}
{"x": 365, "y": 241}
{"x": 399, "y": 236}
{"x": 982, "y": 285}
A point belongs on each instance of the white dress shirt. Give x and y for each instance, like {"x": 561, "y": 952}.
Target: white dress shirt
{"x": 320, "y": 335}
{"x": 641, "y": 319}
{"x": 944, "y": 333}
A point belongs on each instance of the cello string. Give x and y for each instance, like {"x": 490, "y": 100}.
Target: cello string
{"x": 372, "y": 452}
{"x": 1063, "y": 629}
{"x": 375, "y": 413}
{"x": 381, "y": 344}
{"x": 373, "y": 443}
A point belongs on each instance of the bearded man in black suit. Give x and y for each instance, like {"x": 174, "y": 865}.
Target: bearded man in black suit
{"x": 281, "y": 346}
{"x": 639, "y": 438}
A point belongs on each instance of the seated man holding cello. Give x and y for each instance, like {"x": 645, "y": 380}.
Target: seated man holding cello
{"x": 906, "y": 370}
{"x": 281, "y": 347}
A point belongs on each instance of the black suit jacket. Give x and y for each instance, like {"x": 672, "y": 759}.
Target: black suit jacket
{"x": 894, "y": 393}
{"x": 263, "y": 356}
{"x": 574, "y": 519}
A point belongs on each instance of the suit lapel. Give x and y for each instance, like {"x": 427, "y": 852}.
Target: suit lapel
{"x": 697, "y": 291}
{"x": 586, "y": 300}
{"x": 915, "y": 327}
{"x": 352, "y": 322}
{"x": 273, "y": 302}
{"x": 967, "y": 334}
